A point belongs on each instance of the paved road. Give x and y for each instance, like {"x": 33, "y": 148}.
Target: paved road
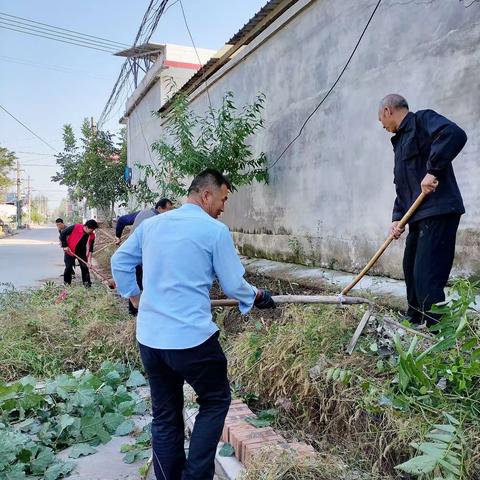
{"x": 31, "y": 257}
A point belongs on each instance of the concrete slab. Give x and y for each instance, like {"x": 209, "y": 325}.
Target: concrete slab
{"x": 318, "y": 277}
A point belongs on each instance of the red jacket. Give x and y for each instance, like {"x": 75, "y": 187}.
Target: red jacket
{"x": 76, "y": 235}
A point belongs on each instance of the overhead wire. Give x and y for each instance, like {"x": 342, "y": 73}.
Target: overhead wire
{"x": 29, "y": 129}
{"x": 149, "y": 22}
{"x": 56, "y": 39}
{"x": 72, "y": 33}
{"x": 196, "y": 53}
{"x": 329, "y": 90}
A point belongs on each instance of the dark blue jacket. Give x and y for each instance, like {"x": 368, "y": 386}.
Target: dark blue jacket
{"x": 123, "y": 221}
{"x": 425, "y": 143}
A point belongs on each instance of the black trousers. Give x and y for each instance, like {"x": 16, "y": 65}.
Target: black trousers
{"x": 139, "y": 274}
{"x": 69, "y": 264}
{"x": 205, "y": 368}
{"x": 427, "y": 261}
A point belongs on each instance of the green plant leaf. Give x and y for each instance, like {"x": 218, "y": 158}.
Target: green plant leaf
{"x": 112, "y": 421}
{"x": 57, "y": 470}
{"x": 82, "y": 449}
{"x": 418, "y": 465}
{"x": 136, "y": 379}
{"x": 125, "y": 428}
{"x": 227, "y": 450}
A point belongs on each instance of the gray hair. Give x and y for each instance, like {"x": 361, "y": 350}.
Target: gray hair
{"x": 393, "y": 100}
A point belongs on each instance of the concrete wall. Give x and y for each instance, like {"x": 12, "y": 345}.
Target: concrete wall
{"x": 330, "y": 197}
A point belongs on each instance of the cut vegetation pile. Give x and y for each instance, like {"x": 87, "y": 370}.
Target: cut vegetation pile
{"x": 413, "y": 412}
{"x": 44, "y": 332}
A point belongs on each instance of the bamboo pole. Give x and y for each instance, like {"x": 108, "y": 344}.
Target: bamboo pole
{"x": 101, "y": 275}
{"x": 302, "y": 299}
{"x": 385, "y": 244}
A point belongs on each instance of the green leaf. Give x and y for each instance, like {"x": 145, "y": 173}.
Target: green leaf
{"x": 257, "y": 422}
{"x": 82, "y": 449}
{"x": 129, "y": 457}
{"x": 44, "y": 458}
{"x": 60, "y": 469}
{"x": 418, "y": 465}
{"x": 125, "y": 428}
{"x": 227, "y": 450}
{"x": 136, "y": 379}
{"x": 84, "y": 397}
{"x": 112, "y": 421}
{"x": 65, "y": 421}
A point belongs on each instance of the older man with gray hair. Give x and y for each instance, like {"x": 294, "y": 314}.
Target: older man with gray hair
{"x": 424, "y": 144}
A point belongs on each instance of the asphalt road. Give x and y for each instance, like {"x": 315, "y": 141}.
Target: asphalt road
{"x": 30, "y": 258}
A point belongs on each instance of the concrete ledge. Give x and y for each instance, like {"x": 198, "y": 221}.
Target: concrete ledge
{"x": 324, "y": 278}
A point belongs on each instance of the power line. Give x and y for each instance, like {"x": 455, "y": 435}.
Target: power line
{"x": 53, "y": 35}
{"x": 27, "y": 32}
{"x": 53, "y": 68}
{"x": 196, "y": 52}
{"x": 37, "y": 153}
{"x": 330, "y": 90}
{"x": 148, "y": 25}
{"x": 31, "y": 131}
{"x": 74, "y": 32}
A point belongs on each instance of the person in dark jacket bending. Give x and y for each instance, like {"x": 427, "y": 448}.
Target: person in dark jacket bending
{"x": 424, "y": 144}
{"x": 122, "y": 222}
{"x": 78, "y": 239}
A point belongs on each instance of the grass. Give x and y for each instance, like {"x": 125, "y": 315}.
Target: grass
{"x": 43, "y": 335}
{"x": 284, "y": 365}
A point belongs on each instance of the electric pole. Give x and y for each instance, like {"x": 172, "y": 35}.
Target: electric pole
{"x": 29, "y": 204}
{"x": 19, "y": 201}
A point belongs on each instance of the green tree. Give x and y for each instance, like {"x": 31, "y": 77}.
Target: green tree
{"x": 94, "y": 170}
{"x": 7, "y": 160}
{"x": 191, "y": 142}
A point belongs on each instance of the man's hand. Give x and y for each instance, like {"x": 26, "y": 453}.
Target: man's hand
{"x": 67, "y": 250}
{"x": 135, "y": 300}
{"x": 396, "y": 231}
{"x": 118, "y": 241}
{"x": 429, "y": 183}
{"x": 264, "y": 299}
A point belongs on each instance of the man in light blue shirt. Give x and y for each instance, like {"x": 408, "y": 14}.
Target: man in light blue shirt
{"x": 182, "y": 252}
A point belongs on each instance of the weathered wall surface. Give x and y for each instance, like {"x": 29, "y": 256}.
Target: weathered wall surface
{"x": 330, "y": 197}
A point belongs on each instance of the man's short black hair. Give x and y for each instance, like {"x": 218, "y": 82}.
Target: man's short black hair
{"x": 59, "y": 220}
{"x": 91, "y": 224}
{"x": 209, "y": 177}
{"x": 163, "y": 203}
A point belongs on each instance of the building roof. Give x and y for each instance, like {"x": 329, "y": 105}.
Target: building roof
{"x": 141, "y": 50}
{"x": 254, "y": 27}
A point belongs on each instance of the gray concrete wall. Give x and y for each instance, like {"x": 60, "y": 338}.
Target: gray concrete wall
{"x": 330, "y": 197}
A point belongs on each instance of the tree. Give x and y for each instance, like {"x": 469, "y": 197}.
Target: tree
{"x": 94, "y": 170}
{"x": 192, "y": 143}
{"x": 7, "y": 161}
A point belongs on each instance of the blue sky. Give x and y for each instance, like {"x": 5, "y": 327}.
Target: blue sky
{"x": 46, "y": 84}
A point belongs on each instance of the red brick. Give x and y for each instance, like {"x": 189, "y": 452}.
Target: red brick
{"x": 236, "y": 433}
{"x": 250, "y": 444}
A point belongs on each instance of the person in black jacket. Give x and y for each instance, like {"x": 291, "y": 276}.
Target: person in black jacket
{"x": 424, "y": 144}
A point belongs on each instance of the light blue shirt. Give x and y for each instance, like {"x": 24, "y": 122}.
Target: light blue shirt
{"x": 181, "y": 251}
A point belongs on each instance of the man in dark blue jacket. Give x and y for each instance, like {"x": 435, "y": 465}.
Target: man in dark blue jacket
{"x": 122, "y": 222}
{"x": 424, "y": 144}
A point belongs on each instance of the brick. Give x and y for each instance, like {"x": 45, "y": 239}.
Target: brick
{"x": 250, "y": 444}
{"x": 238, "y": 432}
{"x": 226, "y": 429}
{"x": 257, "y": 435}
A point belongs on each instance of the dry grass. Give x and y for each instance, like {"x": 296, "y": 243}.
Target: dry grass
{"x": 273, "y": 362}
{"x": 42, "y": 337}
{"x": 276, "y": 464}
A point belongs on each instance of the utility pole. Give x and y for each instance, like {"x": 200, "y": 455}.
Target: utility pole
{"x": 19, "y": 201}
{"x": 29, "y": 203}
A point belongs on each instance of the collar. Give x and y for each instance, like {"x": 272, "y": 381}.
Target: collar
{"x": 407, "y": 123}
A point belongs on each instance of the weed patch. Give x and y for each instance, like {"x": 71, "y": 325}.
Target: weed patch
{"x": 43, "y": 336}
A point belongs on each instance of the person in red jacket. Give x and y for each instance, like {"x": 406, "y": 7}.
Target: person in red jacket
{"x": 78, "y": 239}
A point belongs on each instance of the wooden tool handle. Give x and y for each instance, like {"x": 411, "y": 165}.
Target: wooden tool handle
{"x": 385, "y": 244}
{"x": 302, "y": 299}
{"x": 103, "y": 277}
